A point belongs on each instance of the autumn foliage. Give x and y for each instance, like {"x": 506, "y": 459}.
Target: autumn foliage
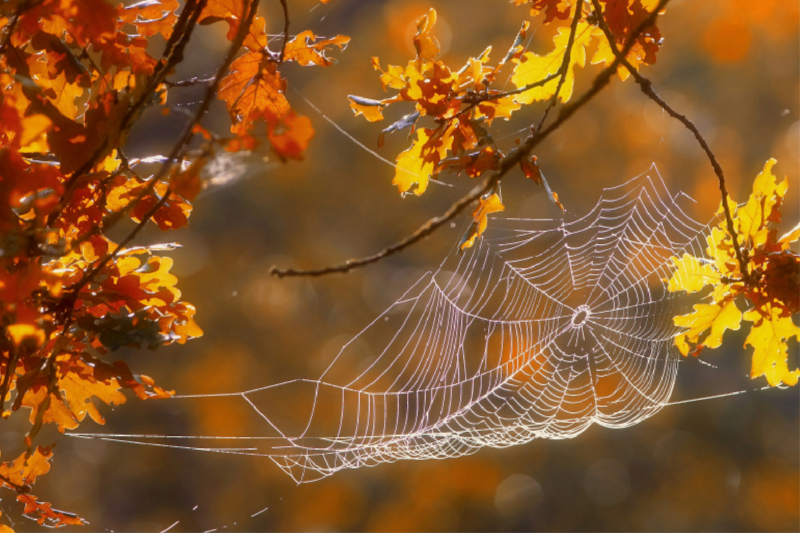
{"x": 77, "y": 75}
{"x": 769, "y": 283}
{"x": 463, "y": 104}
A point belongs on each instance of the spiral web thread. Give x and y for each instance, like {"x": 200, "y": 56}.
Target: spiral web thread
{"x": 541, "y": 330}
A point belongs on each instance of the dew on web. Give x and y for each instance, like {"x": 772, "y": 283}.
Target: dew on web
{"x": 543, "y": 329}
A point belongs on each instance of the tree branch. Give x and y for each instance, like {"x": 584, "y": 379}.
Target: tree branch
{"x": 647, "y": 88}
{"x": 480, "y": 98}
{"x": 506, "y": 164}
{"x": 285, "y": 29}
{"x": 564, "y": 68}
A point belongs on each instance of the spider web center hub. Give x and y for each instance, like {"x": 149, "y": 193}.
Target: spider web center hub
{"x": 581, "y": 315}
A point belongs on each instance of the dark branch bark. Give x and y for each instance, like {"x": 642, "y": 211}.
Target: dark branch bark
{"x": 562, "y": 70}
{"x": 285, "y": 29}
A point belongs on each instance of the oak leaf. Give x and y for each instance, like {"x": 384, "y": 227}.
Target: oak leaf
{"x": 486, "y": 206}
{"x": 533, "y": 67}
{"x": 424, "y": 41}
{"x": 308, "y": 49}
{"x": 231, "y": 11}
{"x": 290, "y": 136}
{"x": 416, "y": 164}
{"x": 151, "y": 17}
{"x": 253, "y": 89}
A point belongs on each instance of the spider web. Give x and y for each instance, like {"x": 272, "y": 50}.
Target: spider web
{"x": 543, "y": 329}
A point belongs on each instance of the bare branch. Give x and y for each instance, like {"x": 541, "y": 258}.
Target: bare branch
{"x": 647, "y": 88}
{"x": 285, "y": 29}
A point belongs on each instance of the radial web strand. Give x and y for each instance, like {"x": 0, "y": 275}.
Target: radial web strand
{"x": 543, "y": 329}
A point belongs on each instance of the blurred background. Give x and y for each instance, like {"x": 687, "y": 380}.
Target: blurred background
{"x": 730, "y": 464}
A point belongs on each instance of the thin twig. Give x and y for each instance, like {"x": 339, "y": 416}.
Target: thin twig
{"x": 21, "y": 489}
{"x": 481, "y": 98}
{"x": 564, "y": 68}
{"x": 506, "y": 164}
{"x": 191, "y": 82}
{"x": 285, "y": 29}
{"x": 647, "y": 88}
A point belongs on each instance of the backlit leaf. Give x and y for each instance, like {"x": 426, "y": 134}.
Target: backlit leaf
{"x": 533, "y": 67}
{"x": 486, "y": 206}
{"x": 769, "y": 335}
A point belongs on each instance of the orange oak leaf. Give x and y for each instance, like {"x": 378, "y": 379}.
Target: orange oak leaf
{"x": 424, "y": 41}
{"x": 290, "y": 136}
{"x": 45, "y": 515}
{"x": 487, "y": 205}
{"x": 151, "y": 17}
{"x": 231, "y": 11}
{"x": 25, "y": 469}
{"x": 253, "y": 89}
{"x": 552, "y": 9}
{"x": 623, "y": 16}
{"x": 308, "y": 49}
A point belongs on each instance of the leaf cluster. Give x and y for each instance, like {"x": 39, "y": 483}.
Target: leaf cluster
{"x": 767, "y": 281}
{"x": 75, "y": 77}
{"x": 463, "y": 103}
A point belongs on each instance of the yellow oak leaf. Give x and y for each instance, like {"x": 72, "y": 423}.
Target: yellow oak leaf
{"x": 490, "y": 204}
{"x": 416, "y": 164}
{"x": 392, "y": 77}
{"x": 718, "y": 317}
{"x": 691, "y": 275}
{"x": 424, "y": 41}
{"x": 761, "y": 206}
{"x": 371, "y": 109}
{"x": 189, "y": 329}
{"x": 155, "y": 275}
{"x": 771, "y": 329}
{"x": 720, "y": 249}
{"x": 500, "y": 108}
{"x": 533, "y": 67}
{"x": 769, "y": 283}
{"x": 605, "y": 55}
{"x": 34, "y": 133}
